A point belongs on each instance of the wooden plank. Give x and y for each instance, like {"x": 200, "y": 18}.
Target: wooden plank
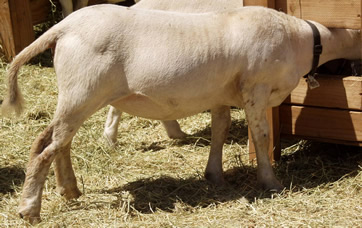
{"x": 335, "y": 91}
{"x": 274, "y": 144}
{"x": 266, "y": 3}
{"x": 40, "y": 10}
{"x": 321, "y": 123}
{"x": 274, "y": 137}
{"x": 251, "y": 147}
{"x": 22, "y": 26}
{"x": 334, "y": 141}
{"x": 6, "y": 30}
{"x": 331, "y": 13}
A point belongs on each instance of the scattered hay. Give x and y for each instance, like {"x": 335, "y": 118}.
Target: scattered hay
{"x": 149, "y": 180}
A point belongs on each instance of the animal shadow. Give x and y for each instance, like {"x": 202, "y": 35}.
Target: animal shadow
{"x": 238, "y": 133}
{"x": 317, "y": 163}
{"x": 313, "y": 165}
{"x": 150, "y": 194}
{"x": 10, "y": 177}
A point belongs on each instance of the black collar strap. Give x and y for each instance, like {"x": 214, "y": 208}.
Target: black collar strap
{"x": 317, "y": 49}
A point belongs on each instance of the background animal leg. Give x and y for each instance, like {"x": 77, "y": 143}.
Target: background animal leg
{"x": 114, "y": 116}
{"x": 173, "y": 129}
{"x": 66, "y": 181}
{"x": 220, "y": 124}
{"x": 67, "y": 7}
{"x": 80, "y": 4}
{"x": 111, "y": 125}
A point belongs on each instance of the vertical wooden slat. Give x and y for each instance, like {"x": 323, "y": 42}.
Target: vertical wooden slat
{"x": 274, "y": 144}
{"x": 291, "y": 7}
{"x": 17, "y": 28}
{"x": 40, "y": 10}
{"x": 21, "y": 23}
{"x": 281, "y": 5}
{"x": 6, "y": 30}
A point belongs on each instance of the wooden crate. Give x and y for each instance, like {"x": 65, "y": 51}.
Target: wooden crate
{"x": 332, "y": 112}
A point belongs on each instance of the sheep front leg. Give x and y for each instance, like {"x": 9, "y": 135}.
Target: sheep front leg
{"x": 255, "y": 109}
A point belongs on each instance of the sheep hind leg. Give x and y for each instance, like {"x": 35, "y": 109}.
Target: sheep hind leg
{"x": 53, "y": 142}
{"x": 43, "y": 152}
{"x": 66, "y": 181}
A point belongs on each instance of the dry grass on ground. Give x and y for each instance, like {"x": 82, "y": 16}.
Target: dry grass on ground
{"x": 149, "y": 180}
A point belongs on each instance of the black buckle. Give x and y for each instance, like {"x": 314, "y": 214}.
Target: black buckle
{"x": 318, "y": 49}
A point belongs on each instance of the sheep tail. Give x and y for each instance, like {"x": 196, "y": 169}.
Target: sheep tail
{"x": 14, "y": 100}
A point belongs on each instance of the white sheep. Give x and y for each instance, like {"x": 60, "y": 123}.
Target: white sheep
{"x": 169, "y": 65}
